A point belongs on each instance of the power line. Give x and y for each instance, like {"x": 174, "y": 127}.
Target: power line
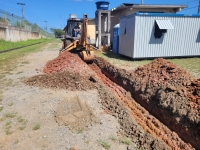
{"x": 190, "y": 8}
{"x": 189, "y": 2}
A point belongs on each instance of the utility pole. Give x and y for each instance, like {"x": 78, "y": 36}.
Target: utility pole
{"x": 46, "y": 25}
{"x": 199, "y": 7}
{"x": 22, "y": 4}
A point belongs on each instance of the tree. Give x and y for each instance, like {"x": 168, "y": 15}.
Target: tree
{"x": 57, "y": 32}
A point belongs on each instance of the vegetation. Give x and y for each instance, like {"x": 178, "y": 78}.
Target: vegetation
{"x": 4, "y": 45}
{"x": 1, "y": 108}
{"x": 105, "y": 144}
{"x": 22, "y": 127}
{"x": 189, "y": 64}
{"x": 125, "y": 141}
{"x": 20, "y": 119}
{"x": 57, "y": 32}
{"x": 8, "y": 59}
{"x": 10, "y": 104}
{"x": 36, "y": 126}
{"x": 10, "y": 115}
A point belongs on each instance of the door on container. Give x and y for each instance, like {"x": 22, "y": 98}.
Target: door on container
{"x": 130, "y": 27}
{"x": 122, "y": 37}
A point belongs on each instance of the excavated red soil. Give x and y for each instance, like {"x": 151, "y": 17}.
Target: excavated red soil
{"x": 144, "y": 129}
{"x": 62, "y": 80}
{"x": 67, "y": 61}
{"x": 163, "y": 89}
{"x": 162, "y": 72}
{"x": 149, "y": 123}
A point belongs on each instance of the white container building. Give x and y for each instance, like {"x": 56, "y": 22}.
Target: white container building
{"x": 151, "y": 35}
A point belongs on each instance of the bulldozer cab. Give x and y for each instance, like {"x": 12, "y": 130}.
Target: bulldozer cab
{"x": 73, "y": 28}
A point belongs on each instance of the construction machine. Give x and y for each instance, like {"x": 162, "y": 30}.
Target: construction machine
{"x": 76, "y": 38}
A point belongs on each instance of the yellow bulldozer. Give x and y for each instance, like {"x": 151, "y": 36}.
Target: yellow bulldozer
{"x": 76, "y": 38}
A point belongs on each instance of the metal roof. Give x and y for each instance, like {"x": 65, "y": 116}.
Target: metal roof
{"x": 164, "y": 24}
{"x": 132, "y": 5}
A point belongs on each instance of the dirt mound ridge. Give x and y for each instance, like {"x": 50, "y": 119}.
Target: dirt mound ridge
{"x": 62, "y": 80}
{"x": 161, "y": 72}
{"x": 67, "y": 61}
{"x": 146, "y": 121}
{"x": 162, "y": 98}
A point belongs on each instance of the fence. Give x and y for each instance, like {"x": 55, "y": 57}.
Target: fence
{"x": 15, "y": 21}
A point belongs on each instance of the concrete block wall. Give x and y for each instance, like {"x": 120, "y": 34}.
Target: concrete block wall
{"x": 14, "y": 34}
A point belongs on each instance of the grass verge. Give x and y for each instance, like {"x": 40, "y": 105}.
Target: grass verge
{"x": 105, "y": 144}
{"x": 189, "y": 64}
{"x": 36, "y": 126}
{"x": 4, "y": 45}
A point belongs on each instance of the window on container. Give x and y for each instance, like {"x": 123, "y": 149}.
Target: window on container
{"x": 123, "y": 28}
{"x": 161, "y": 27}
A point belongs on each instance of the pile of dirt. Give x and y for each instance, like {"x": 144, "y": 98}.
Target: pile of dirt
{"x": 63, "y": 80}
{"x": 67, "y": 61}
{"x": 157, "y": 87}
{"x": 67, "y": 71}
{"x": 161, "y": 72}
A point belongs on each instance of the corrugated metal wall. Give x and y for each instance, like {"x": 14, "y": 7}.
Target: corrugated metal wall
{"x": 183, "y": 40}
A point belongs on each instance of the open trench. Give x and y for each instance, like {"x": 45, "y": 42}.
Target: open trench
{"x": 142, "y": 117}
{"x": 154, "y": 116}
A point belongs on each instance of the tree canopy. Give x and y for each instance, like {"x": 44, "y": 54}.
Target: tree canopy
{"x": 57, "y": 32}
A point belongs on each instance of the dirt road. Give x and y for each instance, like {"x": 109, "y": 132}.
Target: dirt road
{"x": 59, "y": 102}
{"x": 31, "y": 117}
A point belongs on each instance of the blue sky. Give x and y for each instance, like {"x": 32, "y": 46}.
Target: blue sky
{"x": 56, "y": 12}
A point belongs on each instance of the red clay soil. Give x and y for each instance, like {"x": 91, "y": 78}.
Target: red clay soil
{"x": 162, "y": 72}
{"x": 67, "y": 61}
{"x": 149, "y": 123}
{"x": 69, "y": 72}
{"x": 163, "y": 89}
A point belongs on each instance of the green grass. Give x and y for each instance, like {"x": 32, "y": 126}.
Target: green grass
{"x": 8, "y": 132}
{"x": 8, "y": 60}
{"x": 120, "y": 60}
{"x": 105, "y": 144}
{"x": 192, "y": 65}
{"x": 113, "y": 138}
{"x": 22, "y": 127}
{"x": 10, "y": 104}
{"x": 20, "y": 119}
{"x": 9, "y": 115}
{"x": 16, "y": 141}
{"x": 8, "y": 123}
{"x": 125, "y": 141}
{"x": 36, "y": 126}
{"x": 189, "y": 64}
{"x": 4, "y": 45}
{"x": 8, "y": 127}
{"x": 1, "y": 108}
{"x": 2, "y": 119}
{"x": 79, "y": 131}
